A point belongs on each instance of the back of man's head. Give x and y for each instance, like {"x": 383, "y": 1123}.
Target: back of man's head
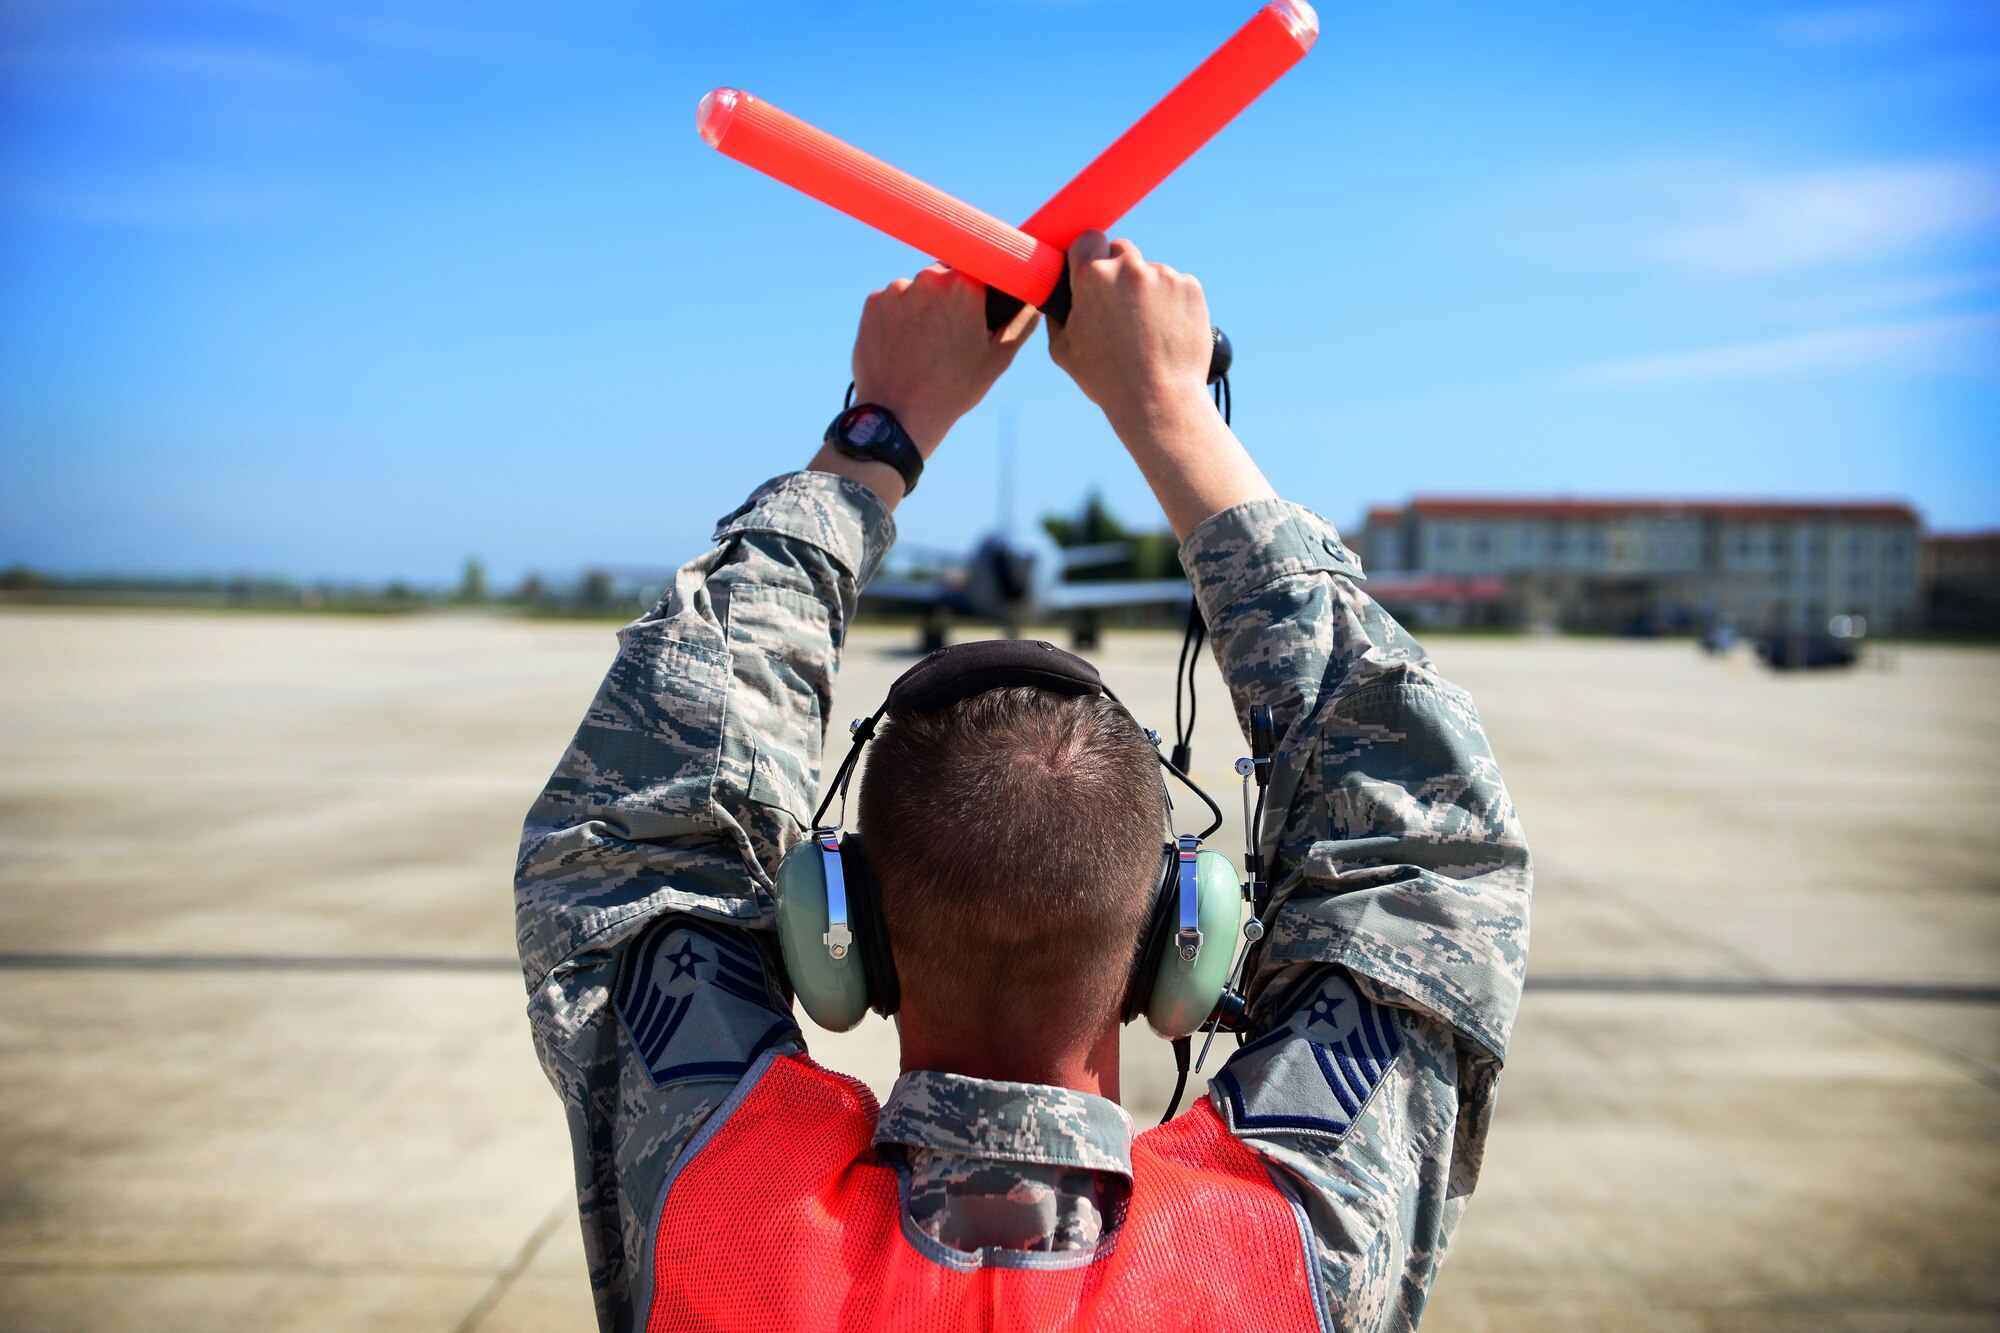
{"x": 1016, "y": 837}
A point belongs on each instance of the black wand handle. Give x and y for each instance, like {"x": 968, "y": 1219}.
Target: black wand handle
{"x": 1000, "y": 308}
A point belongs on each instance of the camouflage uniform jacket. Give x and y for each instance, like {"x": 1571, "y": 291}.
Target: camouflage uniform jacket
{"x": 1381, "y": 1002}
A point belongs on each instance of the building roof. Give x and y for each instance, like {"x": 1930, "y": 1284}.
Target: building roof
{"x": 1431, "y": 506}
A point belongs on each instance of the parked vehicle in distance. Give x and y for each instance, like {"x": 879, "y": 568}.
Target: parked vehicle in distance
{"x": 1838, "y": 645}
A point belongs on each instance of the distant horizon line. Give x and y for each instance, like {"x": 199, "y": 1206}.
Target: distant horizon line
{"x": 1504, "y": 504}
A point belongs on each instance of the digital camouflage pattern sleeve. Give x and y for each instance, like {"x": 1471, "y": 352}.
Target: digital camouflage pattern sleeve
{"x": 642, "y": 890}
{"x": 1384, "y": 992}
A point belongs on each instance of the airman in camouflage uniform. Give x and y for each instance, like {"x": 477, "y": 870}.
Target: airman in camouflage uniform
{"x": 1382, "y": 998}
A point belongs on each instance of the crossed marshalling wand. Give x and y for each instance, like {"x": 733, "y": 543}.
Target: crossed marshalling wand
{"x": 1027, "y": 264}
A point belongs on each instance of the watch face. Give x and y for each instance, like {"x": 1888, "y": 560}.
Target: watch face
{"x": 862, "y": 427}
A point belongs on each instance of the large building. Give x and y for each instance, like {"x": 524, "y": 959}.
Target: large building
{"x": 1652, "y": 566}
{"x": 1961, "y": 576}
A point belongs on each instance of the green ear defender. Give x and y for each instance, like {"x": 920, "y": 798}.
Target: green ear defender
{"x": 815, "y": 935}
{"x": 1186, "y": 986}
{"x": 837, "y": 952}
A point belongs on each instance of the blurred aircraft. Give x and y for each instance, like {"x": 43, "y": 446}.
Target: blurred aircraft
{"x": 1012, "y": 583}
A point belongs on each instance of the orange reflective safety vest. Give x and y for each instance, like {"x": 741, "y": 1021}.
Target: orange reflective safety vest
{"x": 785, "y": 1220}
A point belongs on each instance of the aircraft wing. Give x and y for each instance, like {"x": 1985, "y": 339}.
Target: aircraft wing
{"x": 1101, "y": 553}
{"x": 912, "y": 595}
{"x": 1104, "y": 596}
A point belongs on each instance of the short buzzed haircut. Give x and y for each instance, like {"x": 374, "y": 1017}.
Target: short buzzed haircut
{"x": 1016, "y": 838}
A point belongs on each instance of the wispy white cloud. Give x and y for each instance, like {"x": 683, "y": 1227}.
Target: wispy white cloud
{"x": 1852, "y": 26}
{"x": 1723, "y": 221}
{"x": 415, "y": 28}
{"x": 1778, "y": 223}
{"x": 1838, "y": 27}
{"x": 277, "y": 41}
{"x": 207, "y": 130}
{"x": 189, "y": 60}
{"x": 1963, "y": 343}
{"x": 135, "y": 203}
{"x": 1849, "y": 299}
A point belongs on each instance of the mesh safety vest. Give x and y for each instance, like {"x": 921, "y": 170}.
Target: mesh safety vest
{"x": 785, "y": 1220}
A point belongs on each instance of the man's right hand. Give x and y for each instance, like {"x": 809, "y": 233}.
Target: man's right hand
{"x": 1138, "y": 337}
{"x": 924, "y": 351}
{"x": 1138, "y": 343}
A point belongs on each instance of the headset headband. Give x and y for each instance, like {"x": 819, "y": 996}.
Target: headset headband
{"x": 954, "y": 674}
{"x": 965, "y": 669}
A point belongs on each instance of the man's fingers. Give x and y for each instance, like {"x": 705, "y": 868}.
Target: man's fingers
{"x": 1089, "y": 247}
{"x": 1017, "y": 329}
{"x": 1124, "y": 249}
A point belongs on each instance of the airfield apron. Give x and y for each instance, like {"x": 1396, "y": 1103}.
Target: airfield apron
{"x": 785, "y": 1220}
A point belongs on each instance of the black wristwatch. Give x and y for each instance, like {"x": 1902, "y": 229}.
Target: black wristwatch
{"x": 871, "y": 431}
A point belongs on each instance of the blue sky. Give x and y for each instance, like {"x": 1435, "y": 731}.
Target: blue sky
{"x": 359, "y": 288}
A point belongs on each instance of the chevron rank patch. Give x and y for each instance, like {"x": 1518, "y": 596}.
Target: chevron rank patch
{"x": 696, "y": 988}
{"x": 1313, "y": 1074}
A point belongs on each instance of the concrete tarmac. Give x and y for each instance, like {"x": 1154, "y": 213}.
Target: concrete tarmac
{"x": 263, "y": 1063}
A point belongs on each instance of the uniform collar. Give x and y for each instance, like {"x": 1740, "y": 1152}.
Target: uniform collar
{"x": 1012, "y": 1122}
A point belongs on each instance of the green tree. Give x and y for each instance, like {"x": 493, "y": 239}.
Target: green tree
{"x": 472, "y": 583}
{"x": 1155, "y": 555}
{"x": 1093, "y": 523}
{"x": 594, "y": 594}
{"x": 1148, "y": 555}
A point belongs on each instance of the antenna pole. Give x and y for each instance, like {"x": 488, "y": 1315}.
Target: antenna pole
{"x": 1006, "y": 492}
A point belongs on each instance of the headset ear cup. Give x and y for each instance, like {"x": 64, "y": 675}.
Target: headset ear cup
{"x": 1184, "y": 994}
{"x": 1152, "y": 939}
{"x": 871, "y": 930}
{"x": 832, "y": 991}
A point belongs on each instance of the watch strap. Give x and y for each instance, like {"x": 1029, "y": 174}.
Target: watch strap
{"x": 895, "y": 448}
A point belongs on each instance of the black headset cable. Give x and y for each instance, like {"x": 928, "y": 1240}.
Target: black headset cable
{"x": 1184, "y": 669}
{"x": 1182, "y": 1046}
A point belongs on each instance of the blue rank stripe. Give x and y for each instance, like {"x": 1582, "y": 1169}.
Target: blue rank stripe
{"x": 1352, "y": 1066}
{"x": 652, "y": 1014}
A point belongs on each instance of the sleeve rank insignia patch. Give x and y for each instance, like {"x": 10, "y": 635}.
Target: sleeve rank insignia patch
{"x": 1314, "y": 1072}
{"x": 684, "y": 988}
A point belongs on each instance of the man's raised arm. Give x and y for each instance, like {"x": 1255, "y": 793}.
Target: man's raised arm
{"x": 1384, "y": 993}
{"x": 642, "y": 899}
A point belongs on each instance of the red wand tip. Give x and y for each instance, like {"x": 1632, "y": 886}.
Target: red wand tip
{"x": 715, "y": 113}
{"x": 1300, "y": 20}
